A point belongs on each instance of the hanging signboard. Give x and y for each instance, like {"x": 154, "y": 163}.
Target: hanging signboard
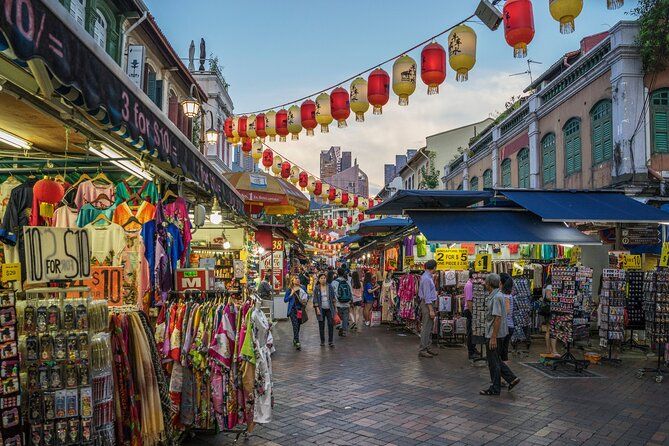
{"x": 276, "y": 262}
{"x": 483, "y": 263}
{"x": 135, "y": 67}
{"x": 451, "y": 259}
{"x": 194, "y": 279}
{"x": 106, "y": 283}
{"x": 518, "y": 268}
{"x": 664, "y": 257}
{"x": 54, "y": 254}
{"x": 631, "y": 261}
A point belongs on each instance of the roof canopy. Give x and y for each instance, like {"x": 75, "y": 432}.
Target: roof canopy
{"x": 405, "y": 200}
{"x": 387, "y": 224}
{"x": 347, "y": 240}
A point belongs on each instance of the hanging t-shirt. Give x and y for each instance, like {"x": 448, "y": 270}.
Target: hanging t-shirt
{"x": 17, "y": 213}
{"x": 88, "y": 213}
{"x": 135, "y": 271}
{"x": 88, "y": 192}
{"x": 65, "y": 217}
{"x": 149, "y": 236}
{"x": 146, "y": 191}
{"x": 421, "y": 245}
{"x": 177, "y": 213}
{"x": 107, "y": 243}
{"x": 5, "y": 191}
{"x": 145, "y": 212}
{"x": 392, "y": 258}
{"x": 408, "y": 246}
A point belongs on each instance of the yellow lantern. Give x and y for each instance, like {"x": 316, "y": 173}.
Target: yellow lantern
{"x": 270, "y": 124}
{"x": 251, "y": 127}
{"x": 462, "y": 51}
{"x": 256, "y": 149}
{"x": 359, "y": 103}
{"x": 311, "y": 184}
{"x": 276, "y": 165}
{"x": 351, "y": 201}
{"x": 565, "y": 11}
{"x": 363, "y": 204}
{"x": 294, "y": 122}
{"x": 404, "y": 78}
{"x": 323, "y": 112}
{"x": 235, "y": 127}
{"x": 294, "y": 174}
{"x": 338, "y": 196}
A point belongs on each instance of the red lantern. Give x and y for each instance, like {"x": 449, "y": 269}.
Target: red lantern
{"x": 318, "y": 188}
{"x": 349, "y": 220}
{"x": 285, "y": 169}
{"x": 361, "y": 216}
{"x": 241, "y": 126}
{"x": 332, "y": 193}
{"x": 282, "y": 124}
{"x": 267, "y": 158}
{"x": 227, "y": 127}
{"x": 433, "y": 66}
{"x": 260, "y": 126}
{"x": 355, "y": 201}
{"x": 329, "y": 222}
{"x": 344, "y": 198}
{"x": 304, "y": 179}
{"x": 378, "y": 89}
{"x": 47, "y": 192}
{"x": 247, "y": 145}
{"x": 518, "y": 25}
{"x": 340, "y": 106}
{"x": 340, "y": 222}
{"x": 308, "y": 115}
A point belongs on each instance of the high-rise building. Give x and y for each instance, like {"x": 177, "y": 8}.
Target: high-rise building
{"x": 352, "y": 180}
{"x": 345, "y": 162}
{"x": 330, "y": 161}
{"x": 400, "y": 162}
{"x": 389, "y": 173}
{"x": 411, "y": 153}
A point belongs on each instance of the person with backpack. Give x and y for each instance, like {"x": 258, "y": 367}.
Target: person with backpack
{"x": 297, "y": 300}
{"x": 344, "y": 297}
{"x": 368, "y": 296}
{"x": 265, "y": 288}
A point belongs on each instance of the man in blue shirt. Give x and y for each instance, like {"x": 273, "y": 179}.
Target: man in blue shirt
{"x": 427, "y": 293}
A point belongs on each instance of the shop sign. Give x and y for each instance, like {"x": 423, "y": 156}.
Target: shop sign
{"x": 277, "y": 271}
{"x": 194, "y": 279}
{"x": 11, "y": 272}
{"x": 135, "y": 68}
{"x": 664, "y": 257}
{"x": 640, "y": 235}
{"x": 631, "y": 261}
{"x": 451, "y": 259}
{"x": 409, "y": 262}
{"x": 483, "y": 263}
{"x": 277, "y": 244}
{"x": 56, "y": 254}
{"x": 106, "y": 283}
{"x": 518, "y": 268}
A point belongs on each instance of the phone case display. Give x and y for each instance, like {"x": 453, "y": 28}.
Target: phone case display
{"x": 56, "y": 329}
{"x": 612, "y": 301}
{"x": 10, "y": 397}
{"x": 635, "y": 315}
{"x": 571, "y": 299}
{"x": 656, "y": 305}
{"x": 521, "y": 308}
{"x": 479, "y": 306}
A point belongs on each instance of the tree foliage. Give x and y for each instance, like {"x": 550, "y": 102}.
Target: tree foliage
{"x": 653, "y": 34}
{"x": 430, "y": 177}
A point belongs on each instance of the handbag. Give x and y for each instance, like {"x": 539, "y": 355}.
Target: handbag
{"x": 305, "y": 316}
{"x": 336, "y": 320}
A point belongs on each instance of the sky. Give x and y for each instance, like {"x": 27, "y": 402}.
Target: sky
{"x": 272, "y": 52}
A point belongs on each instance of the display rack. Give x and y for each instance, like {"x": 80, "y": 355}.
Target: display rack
{"x": 522, "y": 309}
{"x": 634, "y": 306}
{"x": 478, "y": 312}
{"x": 612, "y": 317}
{"x": 656, "y": 313}
{"x": 10, "y": 409}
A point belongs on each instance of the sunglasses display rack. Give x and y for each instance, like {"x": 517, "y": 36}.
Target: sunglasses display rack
{"x": 612, "y": 314}
{"x": 479, "y": 295}
{"x": 656, "y": 313}
{"x": 11, "y": 433}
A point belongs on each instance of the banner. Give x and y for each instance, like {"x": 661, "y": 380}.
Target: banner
{"x": 54, "y": 254}
{"x": 106, "y": 283}
{"x": 451, "y": 259}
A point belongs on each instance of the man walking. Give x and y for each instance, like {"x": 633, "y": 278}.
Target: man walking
{"x": 265, "y": 288}
{"x": 343, "y": 296}
{"x": 427, "y": 294}
{"x": 495, "y": 331}
{"x": 469, "y": 299}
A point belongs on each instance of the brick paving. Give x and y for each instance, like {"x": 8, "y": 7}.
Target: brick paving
{"x": 372, "y": 389}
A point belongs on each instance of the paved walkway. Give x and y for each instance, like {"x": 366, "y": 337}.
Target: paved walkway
{"x": 372, "y": 389}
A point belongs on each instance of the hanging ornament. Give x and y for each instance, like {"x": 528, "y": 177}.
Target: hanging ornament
{"x": 247, "y": 145}
{"x": 340, "y": 106}
{"x": 282, "y": 124}
{"x": 404, "y": 78}
{"x": 251, "y": 127}
{"x": 324, "y": 112}
{"x": 267, "y": 158}
{"x": 294, "y": 174}
{"x": 318, "y": 188}
{"x": 285, "y": 169}
{"x": 378, "y": 90}
{"x": 47, "y": 193}
{"x": 344, "y": 198}
{"x": 260, "y": 126}
{"x": 565, "y": 12}
{"x": 362, "y": 204}
{"x": 518, "y": 25}
{"x": 294, "y": 122}
{"x": 256, "y": 151}
{"x": 361, "y": 216}
{"x": 308, "y": 116}
{"x": 462, "y": 51}
{"x": 329, "y": 222}
{"x": 235, "y": 126}
{"x": 227, "y": 128}
{"x": 311, "y": 185}
{"x": 351, "y": 200}
{"x": 304, "y": 180}
{"x": 270, "y": 125}
{"x": 340, "y": 222}
{"x": 355, "y": 202}
{"x": 276, "y": 165}
{"x": 332, "y": 193}
{"x": 241, "y": 126}
{"x": 433, "y": 66}
{"x": 359, "y": 102}
{"x": 349, "y": 220}
{"x": 614, "y": 4}
{"x": 338, "y": 194}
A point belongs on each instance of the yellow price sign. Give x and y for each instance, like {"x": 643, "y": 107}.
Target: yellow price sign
{"x": 518, "y": 268}
{"x": 409, "y": 262}
{"x": 664, "y": 257}
{"x": 451, "y": 259}
{"x": 483, "y": 263}
{"x": 631, "y": 261}
{"x": 11, "y": 272}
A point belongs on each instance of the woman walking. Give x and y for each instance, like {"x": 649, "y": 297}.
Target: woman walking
{"x": 368, "y": 296}
{"x": 324, "y": 305}
{"x": 356, "y": 304}
{"x": 297, "y": 301}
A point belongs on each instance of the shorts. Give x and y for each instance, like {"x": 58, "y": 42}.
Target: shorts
{"x": 357, "y": 304}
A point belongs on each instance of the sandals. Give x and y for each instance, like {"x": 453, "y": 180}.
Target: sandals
{"x": 488, "y": 392}
{"x": 514, "y": 383}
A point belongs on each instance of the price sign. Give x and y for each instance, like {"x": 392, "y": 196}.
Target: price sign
{"x": 277, "y": 244}
{"x": 451, "y": 259}
{"x": 631, "y": 261}
{"x": 664, "y": 257}
{"x": 518, "y": 268}
{"x": 106, "y": 283}
{"x": 483, "y": 263}
{"x": 11, "y": 272}
{"x": 409, "y": 262}
{"x": 56, "y": 254}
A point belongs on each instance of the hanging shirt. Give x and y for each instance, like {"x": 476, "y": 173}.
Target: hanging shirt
{"x": 421, "y": 245}
{"x": 177, "y": 213}
{"x": 408, "y": 246}
{"x": 17, "y": 213}
{"x": 88, "y": 192}
{"x": 144, "y": 213}
{"x": 88, "y": 213}
{"x": 107, "y": 242}
{"x": 65, "y": 217}
{"x": 5, "y": 191}
{"x": 391, "y": 259}
{"x": 146, "y": 191}
{"x": 135, "y": 271}
{"x": 149, "y": 236}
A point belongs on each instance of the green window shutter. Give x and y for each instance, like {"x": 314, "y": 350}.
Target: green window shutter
{"x": 577, "y": 154}
{"x": 487, "y": 179}
{"x": 597, "y": 148}
{"x": 548, "y": 157}
{"x": 159, "y": 94}
{"x": 602, "y": 140}
{"x": 523, "y": 168}
{"x": 151, "y": 86}
{"x": 474, "y": 184}
{"x": 659, "y": 109}
{"x": 572, "y": 146}
{"x": 607, "y": 139}
{"x": 506, "y": 173}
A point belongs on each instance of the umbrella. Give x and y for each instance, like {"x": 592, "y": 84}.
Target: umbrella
{"x": 265, "y": 193}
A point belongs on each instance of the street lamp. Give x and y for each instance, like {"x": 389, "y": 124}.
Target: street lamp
{"x": 211, "y": 135}
{"x": 215, "y": 217}
{"x": 191, "y": 105}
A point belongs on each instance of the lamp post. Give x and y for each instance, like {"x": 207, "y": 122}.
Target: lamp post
{"x": 192, "y": 108}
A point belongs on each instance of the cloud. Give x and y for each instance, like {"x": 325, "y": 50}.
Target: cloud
{"x": 376, "y": 141}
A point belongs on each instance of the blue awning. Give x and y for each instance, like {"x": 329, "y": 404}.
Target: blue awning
{"x": 585, "y": 206}
{"x": 404, "y": 200}
{"x": 387, "y": 224}
{"x": 347, "y": 239}
{"x": 494, "y": 226}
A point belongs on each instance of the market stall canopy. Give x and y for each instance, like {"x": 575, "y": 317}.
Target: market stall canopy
{"x": 404, "y": 200}
{"x": 382, "y": 225}
{"x": 268, "y": 194}
{"x": 347, "y": 240}
{"x": 494, "y": 226}
{"x": 585, "y": 206}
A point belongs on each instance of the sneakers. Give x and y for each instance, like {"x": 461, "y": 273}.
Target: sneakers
{"x": 367, "y": 323}
{"x": 297, "y": 345}
{"x": 425, "y": 354}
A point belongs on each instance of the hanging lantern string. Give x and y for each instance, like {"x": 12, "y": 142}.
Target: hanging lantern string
{"x": 429, "y": 39}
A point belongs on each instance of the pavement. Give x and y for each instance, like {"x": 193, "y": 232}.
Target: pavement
{"x": 372, "y": 389}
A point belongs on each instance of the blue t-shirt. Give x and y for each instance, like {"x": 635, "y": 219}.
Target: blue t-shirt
{"x": 367, "y": 294}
